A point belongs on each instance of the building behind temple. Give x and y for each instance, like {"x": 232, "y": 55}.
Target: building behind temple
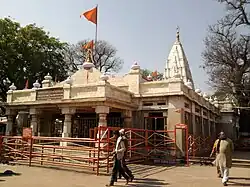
{"x": 89, "y": 98}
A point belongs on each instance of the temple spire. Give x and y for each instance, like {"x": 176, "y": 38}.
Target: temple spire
{"x": 177, "y": 63}
{"x": 177, "y": 34}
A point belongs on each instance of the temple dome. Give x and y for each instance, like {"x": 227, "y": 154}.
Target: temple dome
{"x": 177, "y": 62}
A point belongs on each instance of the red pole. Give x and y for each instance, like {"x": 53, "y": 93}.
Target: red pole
{"x": 175, "y": 146}
{"x": 108, "y": 141}
{"x": 187, "y": 145}
{"x": 31, "y": 147}
{"x": 98, "y": 151}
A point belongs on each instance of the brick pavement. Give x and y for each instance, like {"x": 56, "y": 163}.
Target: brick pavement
{"x": 146, "y": 176}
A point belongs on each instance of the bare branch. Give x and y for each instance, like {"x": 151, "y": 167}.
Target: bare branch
{"x": 104, "y": 56}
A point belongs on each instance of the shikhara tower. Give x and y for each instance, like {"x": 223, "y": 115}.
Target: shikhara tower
{"x": 177, "y": 63}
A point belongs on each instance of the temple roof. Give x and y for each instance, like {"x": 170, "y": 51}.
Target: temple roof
{"x": 177, "y": 63}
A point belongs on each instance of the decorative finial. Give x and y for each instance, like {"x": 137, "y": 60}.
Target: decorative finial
{"x": 135, "y": 66}
{"x": 12, "y": 87}
{"x": 88, "y": 56}
{"x": 88, "y": 60}
{"x": 104, "y": 77}
{"x": 178, "y": 34}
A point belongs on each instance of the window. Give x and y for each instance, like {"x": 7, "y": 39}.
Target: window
{"x": 197, "y": 110}
{"x": 147, "y": 104}
{"x": 186, "y": 105}
{"x": 161, "y": 103}
{"x": 204, "y": 113}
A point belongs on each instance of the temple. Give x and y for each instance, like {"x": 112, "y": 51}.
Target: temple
{"x": 89, "y": 98}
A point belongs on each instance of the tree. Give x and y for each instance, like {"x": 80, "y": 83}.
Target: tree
{"x": 104, "y": 56}
{"x": 28, "y": 53}
{"x": 155, "y": 74}
{"x": 227, "y": 61}
{"x": 237, "y": 13}
{"x": 226, "y": 55}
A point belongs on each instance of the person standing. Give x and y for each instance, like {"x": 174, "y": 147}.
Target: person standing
{"x": 117, "y": 166}
{"x": 224, "y": 150}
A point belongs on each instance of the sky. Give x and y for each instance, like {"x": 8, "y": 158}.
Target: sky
{"x": 141, "y": 30}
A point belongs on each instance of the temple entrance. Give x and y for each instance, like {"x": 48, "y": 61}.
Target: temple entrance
{"x": 83, "y": 122}
{"x": 155, "y": 121}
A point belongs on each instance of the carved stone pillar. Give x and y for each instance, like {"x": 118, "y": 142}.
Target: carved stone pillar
{"x": 9, "y": 126}
{"x": 102, "y": 111}
{"x": 127, "y": 119}
{"x": 34, "y": 123}
{"x": 11, "y": 114}
{"x": 102, "y": 120}
{"x": 68, "y": 113}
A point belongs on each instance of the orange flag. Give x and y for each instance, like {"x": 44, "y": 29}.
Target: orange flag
{"x": 90, "y": 15}
{"x": 154, "y": 74}
{"x": 89, "y": 45}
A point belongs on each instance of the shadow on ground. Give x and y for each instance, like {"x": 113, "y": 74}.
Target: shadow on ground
{"x": 234, "y": 183}
{"x": 146, "y": 182}
{"x": 9, "y": 173}
{"x": 239, "y": 178}
{"x": 147, "y": 170}
{"x": 241, "y": 155}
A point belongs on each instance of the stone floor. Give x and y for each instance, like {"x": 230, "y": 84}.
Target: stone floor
{"x": 146, "y": 176}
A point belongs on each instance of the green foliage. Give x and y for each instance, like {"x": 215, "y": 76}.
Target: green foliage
{"x": 28, "y": 53}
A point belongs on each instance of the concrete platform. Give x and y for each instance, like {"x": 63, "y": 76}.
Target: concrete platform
{"x": 146, "y": 176}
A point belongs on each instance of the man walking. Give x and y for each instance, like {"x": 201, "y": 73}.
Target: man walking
{"x": 224, "y": 150}
{"x": 124, "y": 165}
{"x": 212, "y": 152}
{"x": 117, "y": 167}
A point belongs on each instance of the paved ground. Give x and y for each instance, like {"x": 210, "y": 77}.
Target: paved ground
{"x": 146, "y": 176}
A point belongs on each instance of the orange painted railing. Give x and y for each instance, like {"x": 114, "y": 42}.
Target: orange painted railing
{"x": 92, "y": 153}
{"x": 200, "y": 146}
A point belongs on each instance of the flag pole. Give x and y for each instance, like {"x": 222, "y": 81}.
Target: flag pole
{"x": 96, "y": 25}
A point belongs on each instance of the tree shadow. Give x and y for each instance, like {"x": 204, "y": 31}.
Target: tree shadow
{"x": 9, "y": 173}
{"x": 147, "y": 182}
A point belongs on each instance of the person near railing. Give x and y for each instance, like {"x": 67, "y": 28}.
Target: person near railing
{"x": 117, "y": 166}
{"x": 124, "y": 165}
{"x": 224, "y": 150}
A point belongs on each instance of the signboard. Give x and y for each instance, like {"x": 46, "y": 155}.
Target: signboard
{"x": 27, "y": 133}
{"x": 180, "y": 110}
{"x": 180, "y": 126}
